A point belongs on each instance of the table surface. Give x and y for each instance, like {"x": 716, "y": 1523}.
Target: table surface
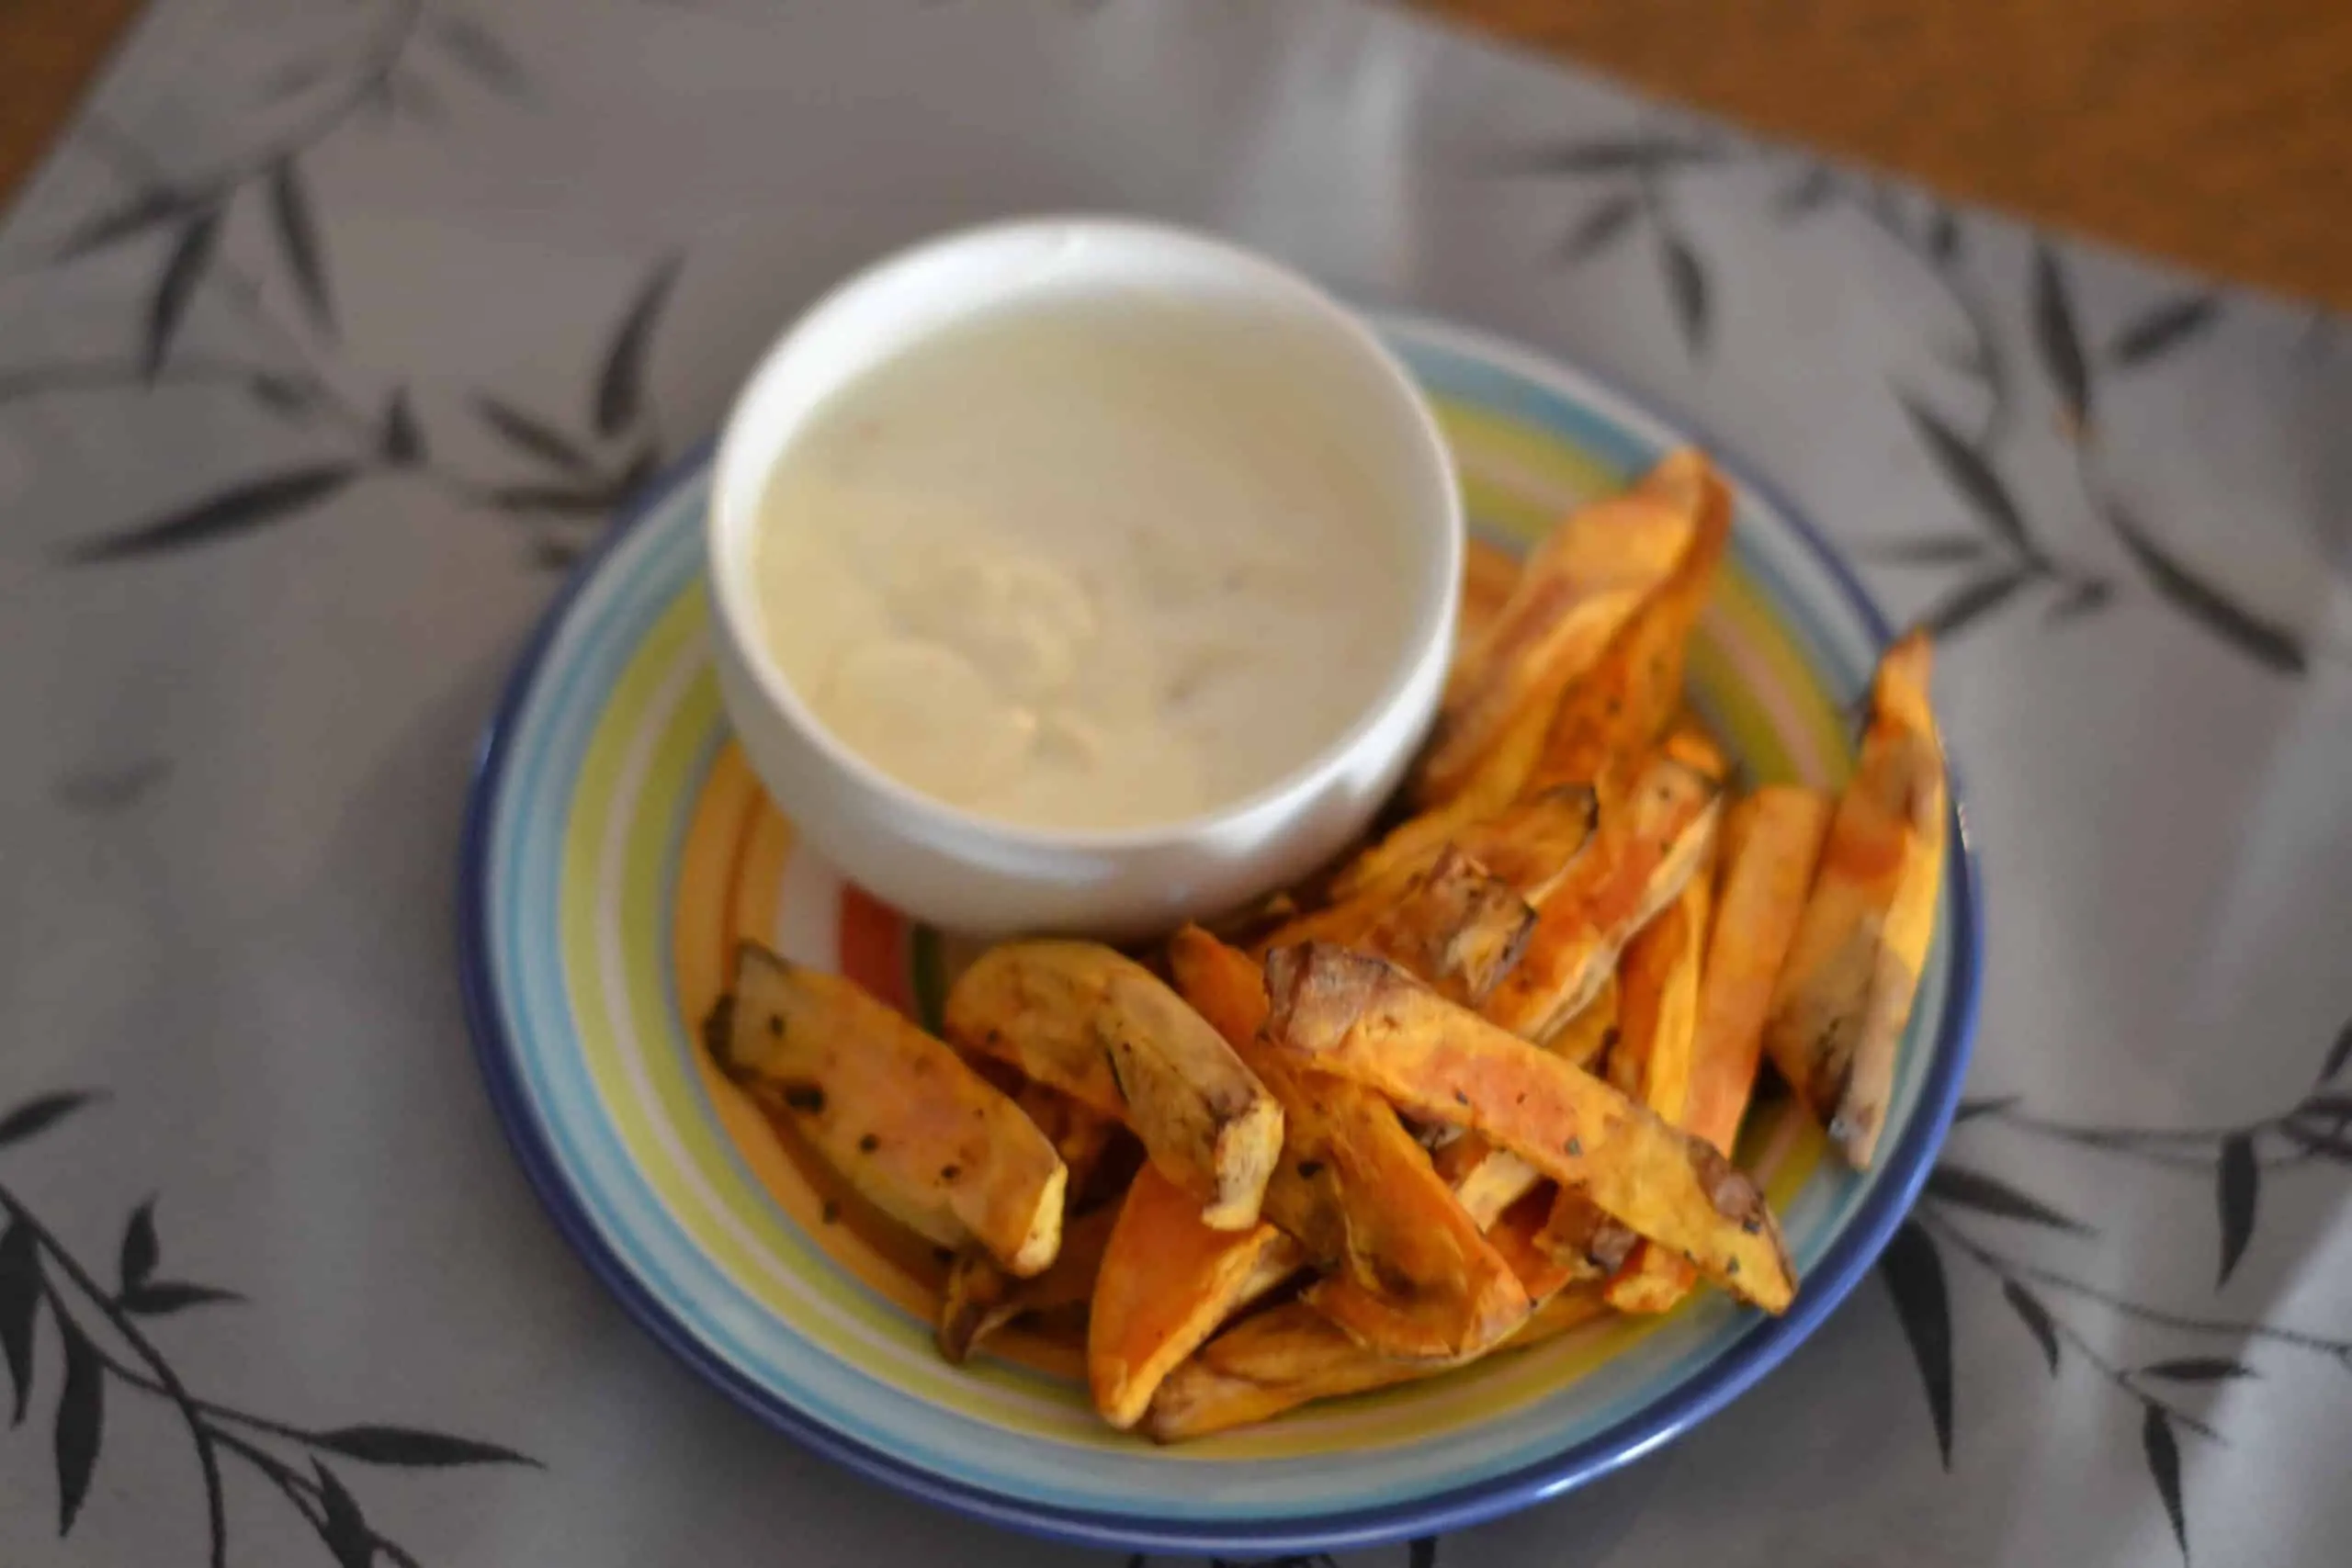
{"x": 2210, "y": 132}
{"x": 301, "y": 335}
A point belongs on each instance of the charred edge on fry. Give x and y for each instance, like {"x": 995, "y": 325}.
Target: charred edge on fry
{"x": 719, "y": 1033}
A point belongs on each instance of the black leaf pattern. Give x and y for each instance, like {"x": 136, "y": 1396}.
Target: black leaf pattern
{"x": 2336, "y": 1105}
{"x": 2036, "y": 1318}
{"x": 1951, "y": 614}
{"x": 1421, "y": 1553}
{"x": 341, "y": 1526}
{"x": 620, "y": 385}
{"x": 532, "y": 436}
{"x": 1944, "y": 235}
{"x": 2199, "y": 1368}
{"x": 2337, "y": 1055}
{"x": 1970, "y": 474}
{"x": 163, "y": 1297}
{"x": 235, "y": 511}
{"x": 2261, "y": 641}
{"x": 81, "y": 1421}
{"x": 1969, "y": 1189}
{"x": 298, "y": 238}
{"x": 2325, "y": 1144}
{"x": 2162, "y": 328}
{"x": 552, "y": 500}
{"x": 38, "y": 1114}
{"x": 2055, "y": 335}
{"x": 191, "y": 254}
{"x": 1605, "y": 222}
{"x": 1990, "y": 1105}
{"x": 20, "y": 1288}
{"x": 2164, "y": 1468}
{"x": 281, "y": 395}
{"x": 412, "y": 1448}
{"x": 1914, "y": 1272}
{"x": 403, "y": 441}
{"x": 2238, "y": 1180}
{"x": 102, "y": 791}
{"x": 2083, "y": 597}
{"x": 1611, "y": 156}
{"x": 1811, "y": 191}
{"x": 141, "y": 1250}
{"x": 1936, "y": 549}
{"x": 149, "y": 210}
{"x": 478, "y": 51}
{"x": 1686, "y": 285}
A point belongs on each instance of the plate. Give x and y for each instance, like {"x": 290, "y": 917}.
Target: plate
{"x": 615, "y": 846}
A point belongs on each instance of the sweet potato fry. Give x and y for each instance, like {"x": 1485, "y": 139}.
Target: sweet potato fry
{"x": 1079, "y": 1017}
{"x": 1458, "y": 927}
{"x": 1489, "y": 573}
{"x": 1167, "y": 1280}
{"x": 982, "y": 1298}
{"x": 1487, "y": 1179}
{"x": 1453, "y": 924}
{"x": 1845, "y": 993}
{"x": 1577, "y": 588}
{"x": 1587, "y": 1039}
{"x": 1364, "y": 1019}
{"x": 1415, "y": 1276}
{"x": 1290, "y": 1355}
{"x": 1639, "y": 861}
{"x": 1609, "y": 720}
{"x": 1658, "y": 982}
{"x": 1770, "y": 840}
{"x": 895, "y": 1111}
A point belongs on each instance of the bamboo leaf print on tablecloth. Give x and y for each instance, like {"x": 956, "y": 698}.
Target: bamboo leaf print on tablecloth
{"x": 1951, "y": 614}
{"x": 531, "y": 435}
{"x": 2036, "y": 1318}
{"x": 1969, "y": 473}
{"x": 2199, "y": 1368}
{"x": 2238, "y": 1180}
{"x": 1603, "y": 223}
{"x": 2163, "y": 1451}
{"x": 1915, "y": 1279}
{"x": 1990, "y": 1195}
{"x": 240, "y": 509}
{"x": 141, "y": 1251}
{"x": 2251, "y": 635}
{"x": 2161, "y": 329}
{"x": 176, "y": 289}
{"x": 298, "y": 238}
{"x": 407, "y": 1446}
{"x": 39, "y": 1271}
{"x": 20, "y": 1288}
{"x": 81, "y": 1422}
{"x": 2060, "y": 341}
{"x": 620, "y": 384}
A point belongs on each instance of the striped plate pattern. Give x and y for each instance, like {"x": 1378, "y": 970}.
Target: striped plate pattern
{"x": 618, "y": 847}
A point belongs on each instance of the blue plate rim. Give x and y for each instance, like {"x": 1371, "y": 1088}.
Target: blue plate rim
{"x": 1739, "y": 1368}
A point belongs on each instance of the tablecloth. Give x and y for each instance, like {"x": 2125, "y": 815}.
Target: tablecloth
{"x": 333, "y": 331}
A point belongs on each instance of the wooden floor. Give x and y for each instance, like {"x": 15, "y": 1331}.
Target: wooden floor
{"x": 2217, "y": 133}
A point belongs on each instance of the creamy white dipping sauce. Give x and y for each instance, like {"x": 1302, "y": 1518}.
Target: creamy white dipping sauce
{"x": 1093, "y": 565}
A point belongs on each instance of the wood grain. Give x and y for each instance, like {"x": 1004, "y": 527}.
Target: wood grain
{"x": 2215, "y": 134}
{"x": 50, "y": 50}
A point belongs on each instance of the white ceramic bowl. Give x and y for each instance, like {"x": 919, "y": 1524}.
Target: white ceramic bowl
{"x": 968, "y": 872}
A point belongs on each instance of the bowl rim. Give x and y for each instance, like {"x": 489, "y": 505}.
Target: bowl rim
{"x": 1440, "y": 537}
{"x": 1765, "y": 1344}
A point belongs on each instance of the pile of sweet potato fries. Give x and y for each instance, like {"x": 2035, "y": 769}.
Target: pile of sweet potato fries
{"x": 1477, "y": 1085}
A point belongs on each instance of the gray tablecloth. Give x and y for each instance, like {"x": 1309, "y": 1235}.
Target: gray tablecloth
{"x": 315, "y": 364}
